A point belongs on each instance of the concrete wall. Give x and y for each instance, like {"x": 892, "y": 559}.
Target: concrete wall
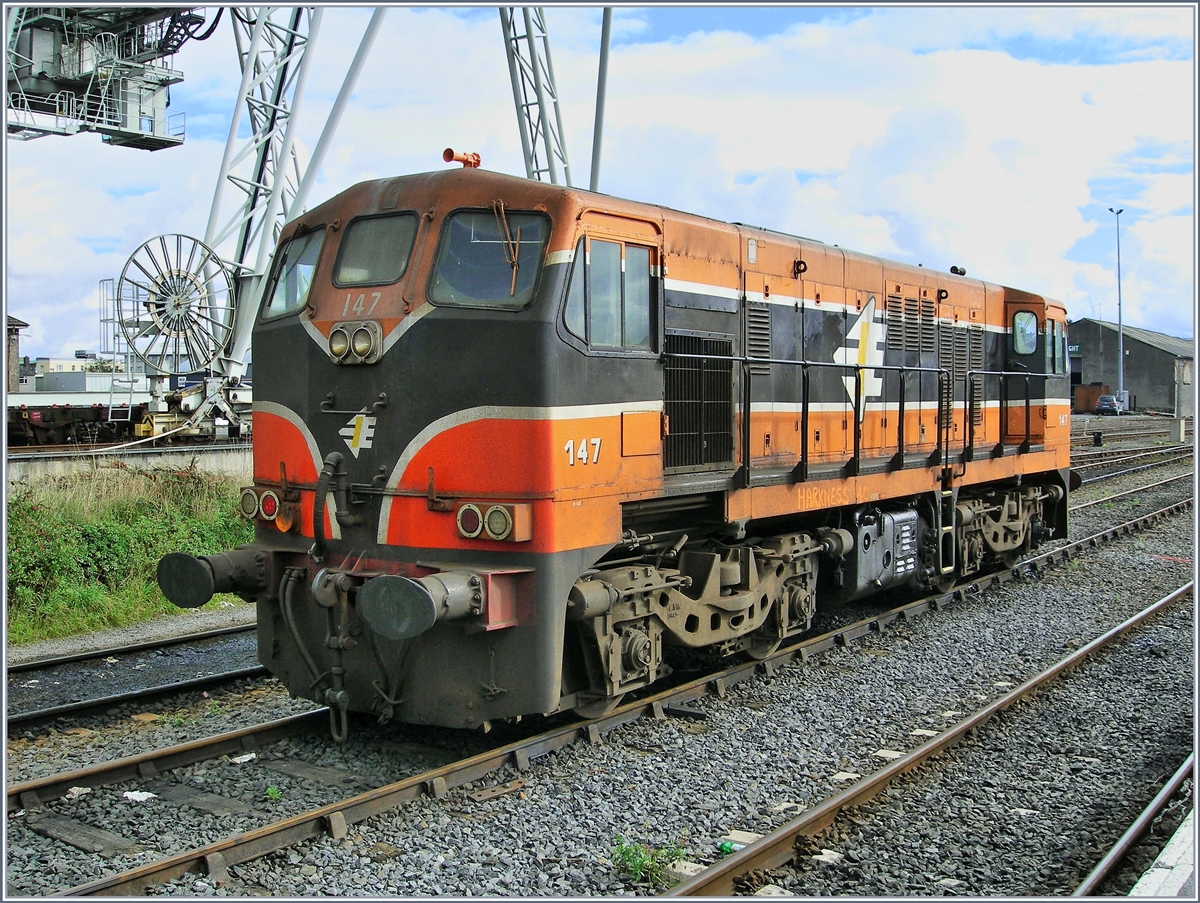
{"x": 1150, "y": 373}
{"x": 234, "y": 462}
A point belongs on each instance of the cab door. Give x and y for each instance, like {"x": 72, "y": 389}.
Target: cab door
{"x": 1024, "y": 401}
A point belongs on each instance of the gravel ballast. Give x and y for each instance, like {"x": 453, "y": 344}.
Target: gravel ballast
{"x": 772, "y": 743}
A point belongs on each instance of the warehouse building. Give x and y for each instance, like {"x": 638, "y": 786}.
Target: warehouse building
{"x": 1158, "y": 367}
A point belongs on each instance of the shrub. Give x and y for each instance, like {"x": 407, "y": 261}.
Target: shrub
{"x": 83, "y": 547}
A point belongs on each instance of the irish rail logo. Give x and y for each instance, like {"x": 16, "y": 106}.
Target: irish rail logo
{"x": 358, "y": 432}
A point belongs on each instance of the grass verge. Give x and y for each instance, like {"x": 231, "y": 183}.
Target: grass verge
{"x": 83, "y": 547}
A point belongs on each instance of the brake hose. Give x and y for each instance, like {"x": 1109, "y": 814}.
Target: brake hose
{"x": 332, "y": 462}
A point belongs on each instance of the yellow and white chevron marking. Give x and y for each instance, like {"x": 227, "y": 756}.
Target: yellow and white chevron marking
{"x": 870, "y": 336}
{"x": 358, "y": 432}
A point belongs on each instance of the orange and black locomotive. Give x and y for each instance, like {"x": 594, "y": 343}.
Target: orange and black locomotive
{"x": 512, "y": 440}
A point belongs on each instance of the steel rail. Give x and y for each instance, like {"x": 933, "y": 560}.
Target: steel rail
{"x": 30, "y": 794}
{"x": 103, "y": 702}
{"x": 1126, "y": 472}
{"x": 776, "y": 848}
{"x": 1089, "y": 458}
{"x": 334, "y": 819}
{"x": 1126, "y": 842}
{"x": 1135, "y": 456}
{"x": 1124, "y": 434}
{"x": 40, "y": 664}
{"x": 1109, "y": 498}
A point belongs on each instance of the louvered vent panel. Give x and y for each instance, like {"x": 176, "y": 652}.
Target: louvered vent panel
{"x": 758, "y": 336}
{"x": 976, "y": 363}
{"x": 912, "y": 325}
{"x": 945, "y": 351}
{"x": 928, "y": 325}
{"x": 895, "y": 323}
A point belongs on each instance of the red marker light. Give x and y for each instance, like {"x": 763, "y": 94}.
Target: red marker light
{"x": 269, "y": 505}
{"x": 470, "y": 521}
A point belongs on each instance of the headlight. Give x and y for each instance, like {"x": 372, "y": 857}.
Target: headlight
{"x": 362, "y": 342}
{"x": 355, "y": 342}
{"x": 339, "y": 343}
{"x": 248, "y": 503}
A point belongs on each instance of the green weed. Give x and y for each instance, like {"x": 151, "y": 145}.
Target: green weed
{"x": 180, "y": 719}
{"x": 83, "y": 547}
{"x": 646, "y": 863}
{"x": 274, "y": 794}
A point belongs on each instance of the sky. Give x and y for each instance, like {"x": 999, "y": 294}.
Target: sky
{"x": 991, "y": 138}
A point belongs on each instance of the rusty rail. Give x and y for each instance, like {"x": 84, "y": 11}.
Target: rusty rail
{"x": 131, "y": 768}
{"x": 1125, "y": 843}
{"x": 1119, "y": 495}
{"x": 106, "y": 702}
{"x": 53, "y": 661}
{"x": 776, "y": 848}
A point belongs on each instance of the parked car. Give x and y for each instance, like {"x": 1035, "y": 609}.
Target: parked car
{"x": 1108, "y": 404}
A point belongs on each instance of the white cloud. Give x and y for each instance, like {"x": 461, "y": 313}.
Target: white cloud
{"x": 880, "y": 133}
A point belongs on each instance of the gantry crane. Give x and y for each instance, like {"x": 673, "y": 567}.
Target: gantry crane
{"x": 183, "y": 304}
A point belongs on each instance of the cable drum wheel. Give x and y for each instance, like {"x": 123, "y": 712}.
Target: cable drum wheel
{"x": 175, "y": 304}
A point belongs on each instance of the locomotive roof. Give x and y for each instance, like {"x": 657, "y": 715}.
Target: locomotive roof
{"x": 524, "y": 191}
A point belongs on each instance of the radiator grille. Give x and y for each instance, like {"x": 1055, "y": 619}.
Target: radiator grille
{"x": 895, "y": 323}
{"x": 698, "y": 401}
{"x": 928, "y": 325}
{"x": 911, "y": 324}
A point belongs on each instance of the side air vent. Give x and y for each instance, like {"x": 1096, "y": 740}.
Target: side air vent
{"x": 758, "y": 336}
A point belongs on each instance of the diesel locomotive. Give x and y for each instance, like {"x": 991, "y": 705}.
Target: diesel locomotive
{"x": 514, "y": 440}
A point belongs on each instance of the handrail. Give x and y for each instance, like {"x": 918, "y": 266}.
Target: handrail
{"x": 800, "y": 471}
{"x": 968, "y": 383}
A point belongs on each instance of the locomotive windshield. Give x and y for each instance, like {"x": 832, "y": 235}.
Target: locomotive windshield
{"x": 375, "y": 250}
{"x": 489, "y": 258}
{"x": 293, "y": 274}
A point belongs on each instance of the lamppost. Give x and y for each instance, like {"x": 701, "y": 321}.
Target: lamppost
{"x": 1120, "y": 324}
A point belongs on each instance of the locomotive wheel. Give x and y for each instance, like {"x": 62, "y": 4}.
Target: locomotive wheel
{"x": 598, "y": 708}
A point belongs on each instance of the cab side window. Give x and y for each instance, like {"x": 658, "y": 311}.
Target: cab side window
{"x": 1024, "y": 332}
{"x": 610, "y": 298}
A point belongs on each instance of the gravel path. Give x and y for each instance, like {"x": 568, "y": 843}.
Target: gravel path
{"x": 177, "y": 624}
{"x": 773, "y": 743}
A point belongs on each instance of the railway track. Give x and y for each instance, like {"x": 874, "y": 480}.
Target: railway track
{"x": 335, "y": 818}
{"x": 1080, "y": 460}
{"x": 778, "y": 848}
{"x": 79, "y": 684}
{"x": 27, "y": 709}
